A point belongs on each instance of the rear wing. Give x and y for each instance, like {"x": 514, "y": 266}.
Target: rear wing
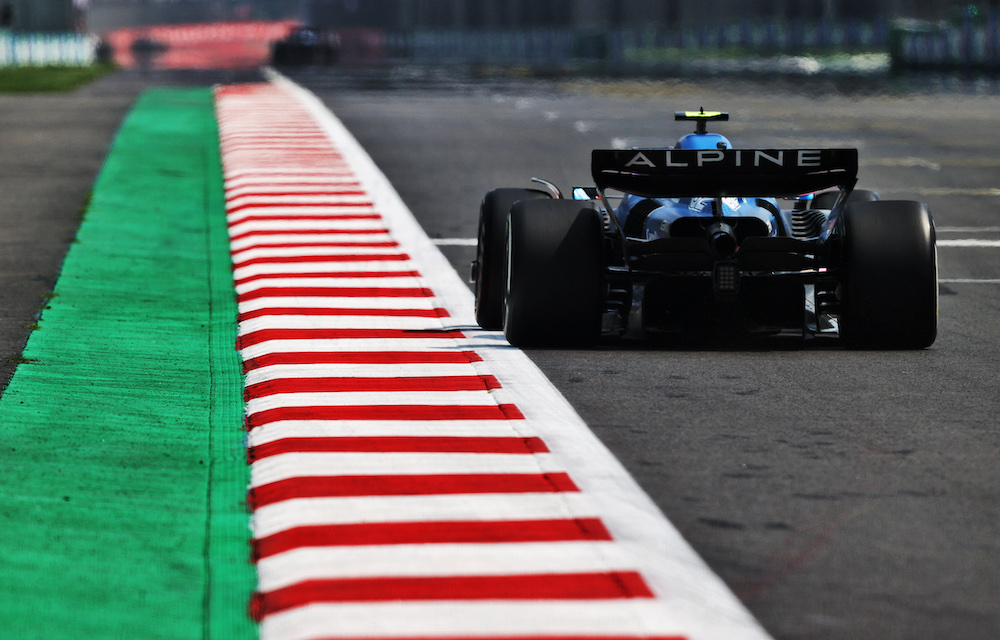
{"x": 679, "y": 173}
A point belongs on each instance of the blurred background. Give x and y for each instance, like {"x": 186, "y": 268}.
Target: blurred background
{"x": 526, "y": 36}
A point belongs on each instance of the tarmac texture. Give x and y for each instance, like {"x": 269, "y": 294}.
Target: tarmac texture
{"x": 51, "y": 148}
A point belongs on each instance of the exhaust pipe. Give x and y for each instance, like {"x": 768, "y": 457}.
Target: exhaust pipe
{"x": 722, "y": 240}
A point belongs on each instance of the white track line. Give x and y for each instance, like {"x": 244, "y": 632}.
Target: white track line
{"x": 306, "y": 512}
{"x": 384, "y": 428}
{"x": 442, "y": 560}
{"x": 970, "y": 242}
{"x": 455, "y": 242}
{"x": 967, "y": 229}
{"x": 620, "y": 619}
{"x": 297, "y": 465}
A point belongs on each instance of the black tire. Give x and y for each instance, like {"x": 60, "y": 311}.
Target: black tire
{"x": 890, "y": 292}
{"x": 554, "y": 275}
{"x": 490, "y": 250}
{"x": 279, "y": 54}
{"x": 827, "y": 199}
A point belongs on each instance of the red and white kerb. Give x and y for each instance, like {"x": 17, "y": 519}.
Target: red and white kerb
{"x": 397, "y": 491}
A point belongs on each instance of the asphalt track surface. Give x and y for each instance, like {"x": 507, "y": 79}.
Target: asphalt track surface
{"x": 840, "y": 494}
{"x": 51, "y": 148}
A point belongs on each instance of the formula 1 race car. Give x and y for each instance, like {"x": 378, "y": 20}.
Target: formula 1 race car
{"x": 702, "y": 237}
{"x": 306, "y": 46}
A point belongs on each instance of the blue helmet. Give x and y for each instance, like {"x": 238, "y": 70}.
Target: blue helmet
{"x": 701, "y": 138}
{"x": 704, "y": 141}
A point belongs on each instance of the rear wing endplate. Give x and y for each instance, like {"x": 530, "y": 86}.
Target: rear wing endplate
{"x": 679, "y": 173}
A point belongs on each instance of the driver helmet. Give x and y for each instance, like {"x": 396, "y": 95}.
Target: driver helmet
{"x": 704, "y": 141}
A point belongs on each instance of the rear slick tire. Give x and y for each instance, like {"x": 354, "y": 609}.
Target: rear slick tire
{"x": 490, "y": 253}
{"x": 554, "y": 288}
{"x": 891, "y": 276}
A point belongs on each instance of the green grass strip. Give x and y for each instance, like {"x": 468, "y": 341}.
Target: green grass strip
{"x": 50, "y": 79}
{"x": 122, "y": 464}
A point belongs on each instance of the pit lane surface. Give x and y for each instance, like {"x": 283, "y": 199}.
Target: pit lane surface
{"x": 840, "y": 494}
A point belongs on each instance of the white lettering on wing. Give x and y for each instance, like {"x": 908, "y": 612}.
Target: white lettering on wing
{"x": 640, "y": 159}
{"x": 710, "y": 156}
{"x": 778, "y": 160}
{"x": 809, "y": 158}
{"x": 671, "y": 163}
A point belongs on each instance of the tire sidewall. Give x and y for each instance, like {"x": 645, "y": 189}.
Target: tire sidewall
{"x": 890, "y": 286}
{"x": 554, "y": 274}
{"x": 490, "y": 250}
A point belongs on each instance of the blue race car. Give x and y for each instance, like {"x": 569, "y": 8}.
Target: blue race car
{"x": 704, "y": 237}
